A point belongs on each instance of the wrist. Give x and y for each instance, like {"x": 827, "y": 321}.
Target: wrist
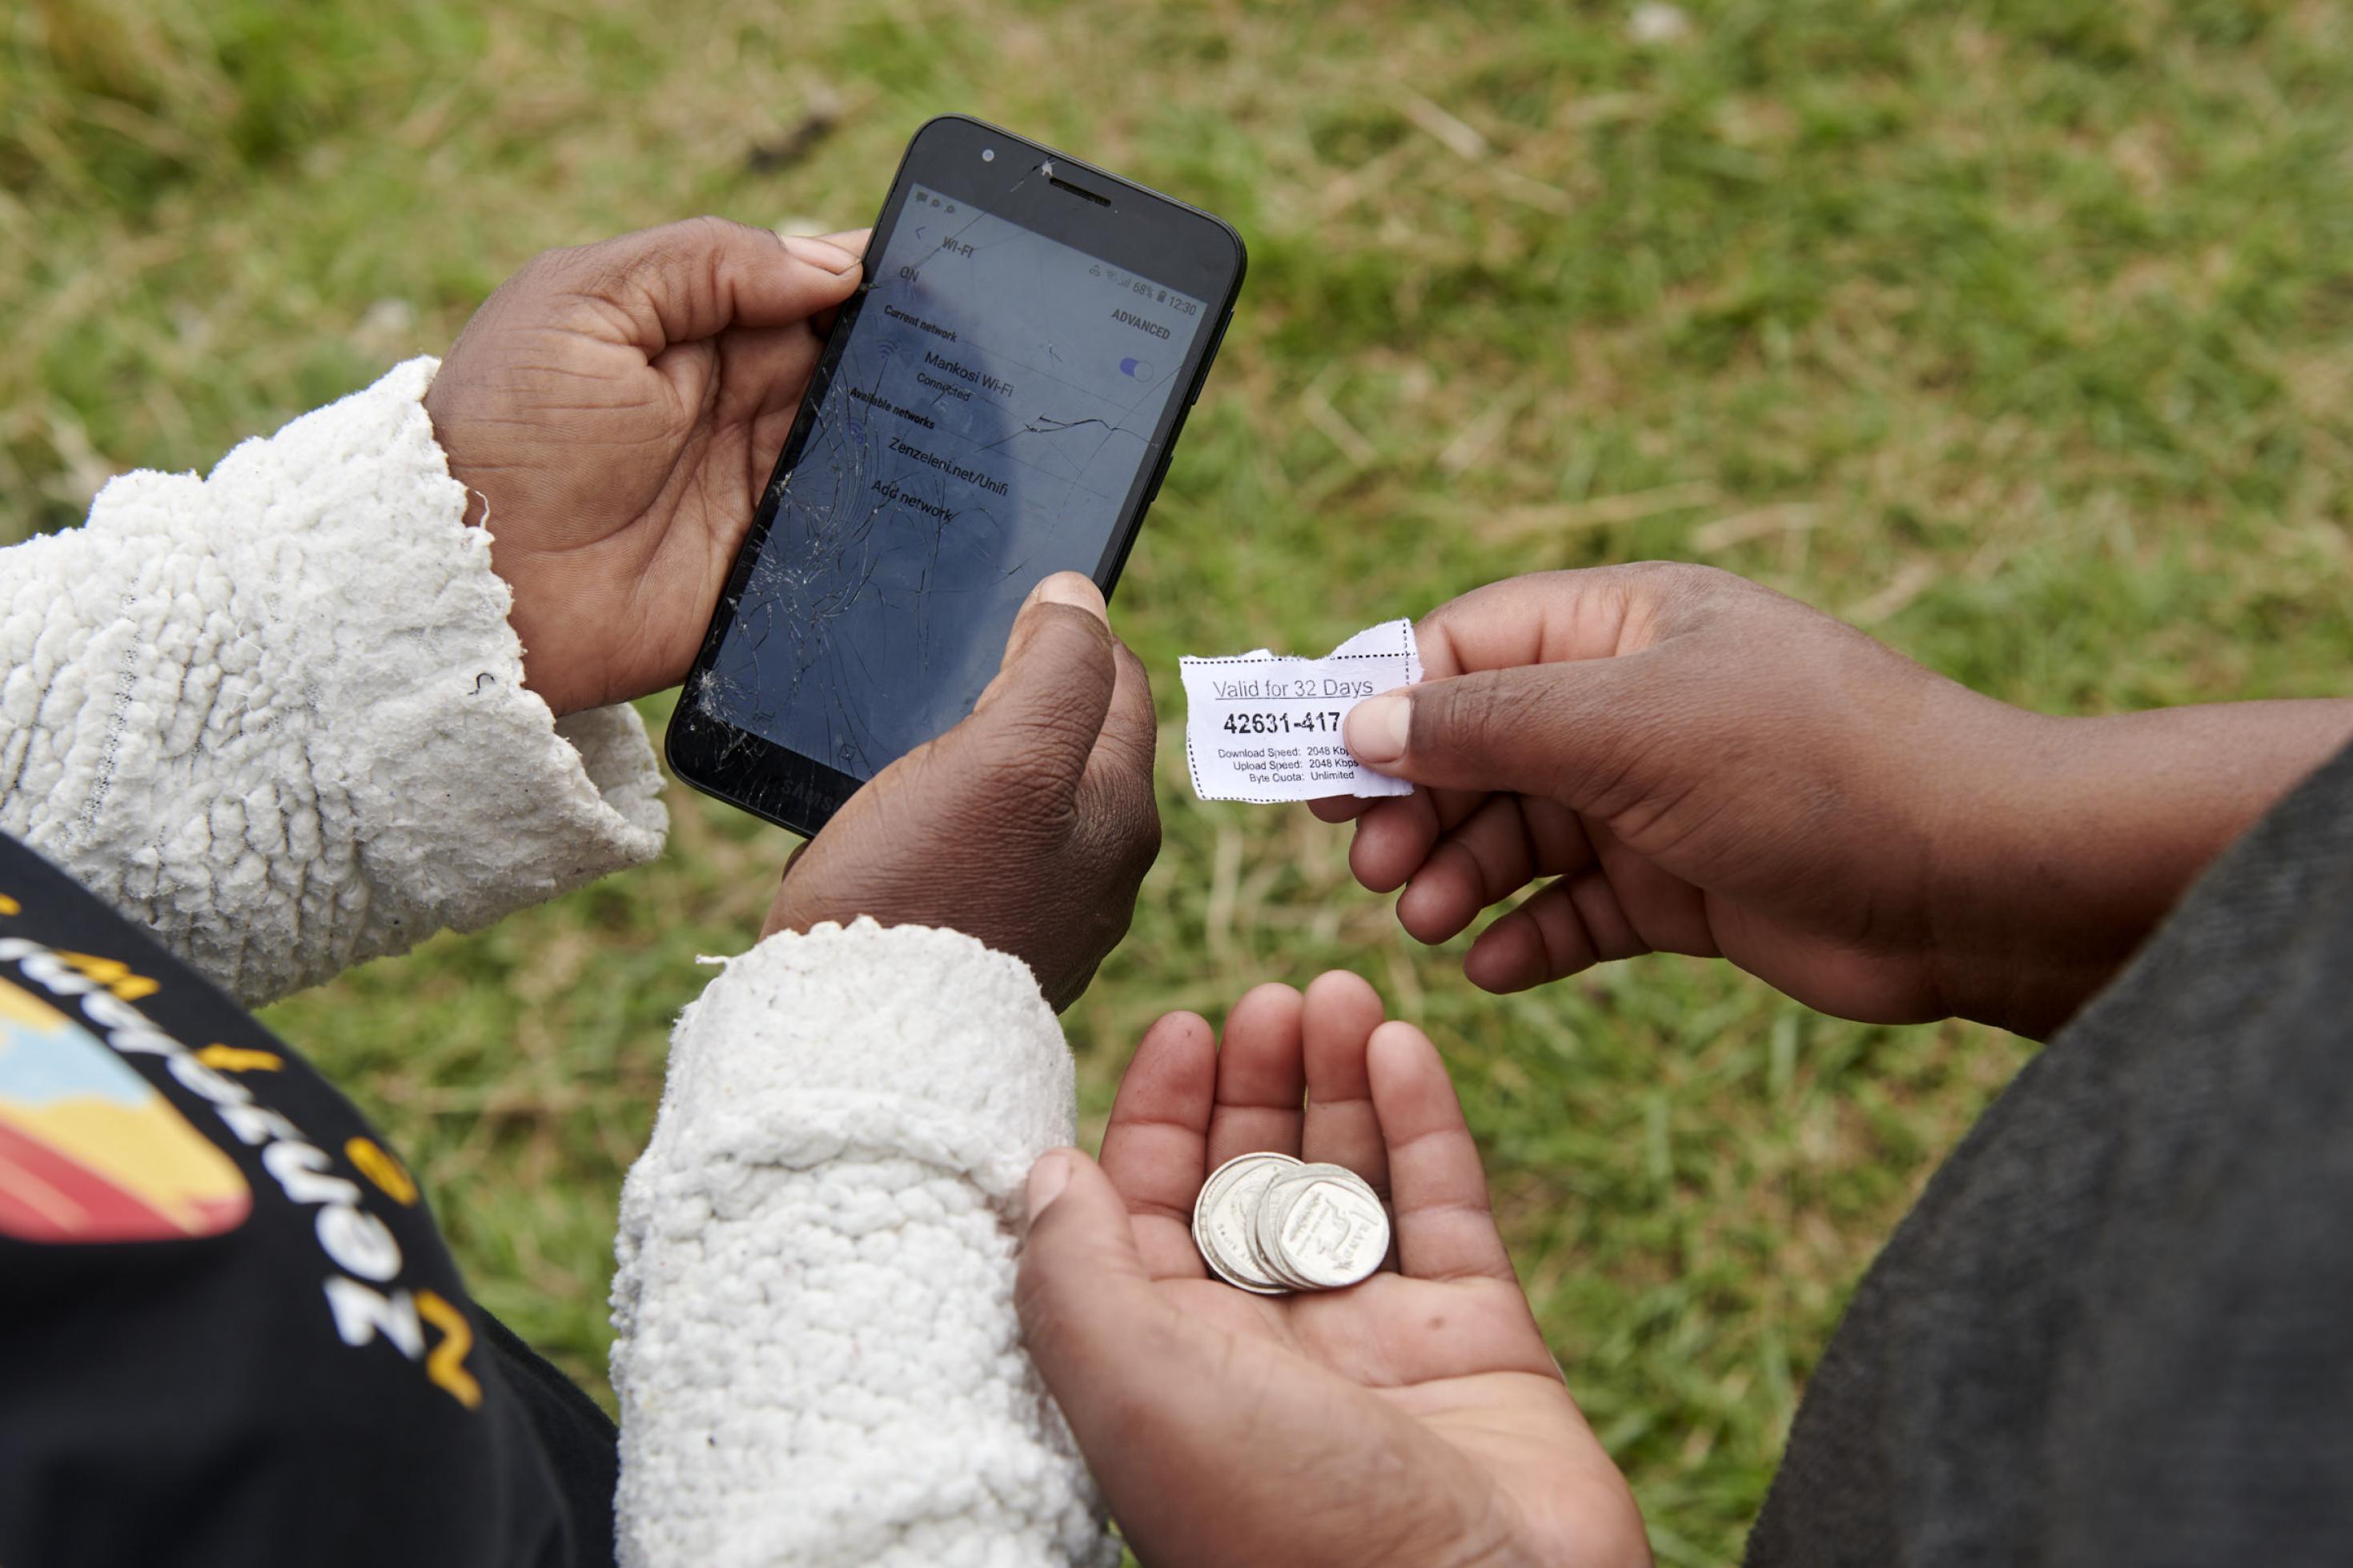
{"x": 538, "y": 601}
{"x": 2073, "y": 838}
{"x": 2023, "y": 928}
{"x": 445, "y": 400}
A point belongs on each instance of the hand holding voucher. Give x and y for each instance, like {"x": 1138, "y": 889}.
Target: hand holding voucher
{"x": 1689, "y": 763}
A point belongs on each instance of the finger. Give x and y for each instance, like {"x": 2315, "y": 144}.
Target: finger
{"x": 1548, "y": 617}
{"x": 852, "y": 240}
{"x": 762, "y": 370}
{"x": 1394, "y": 836}
{"x": 1561, "y": 684}
{"x": 1156, "y": 1148}
{"x": 686, "y": 281}
{"x": 1493, "y": 730}
{"x": 1489, "y": 856}
{"x": 1667, "y": 913}
{"x": 1391, "y": 846}
{"x": 1119, "y": 816}
{"x": 1584, "y": 734}
{"x": 1340, "y": 1126}
{"x": 1341, "y": 807}
{"x": 1091, "y": 1314}
{"x": 1567, "y": 927}
{"x": 1038, "y": 721}
{"x": 1538, "y": 942}
{"x": 1260, "y": 1077}
{"x": 1073, "y": 588}
{"x": 1131, "y": 730}
{"x": 1622, "y": 906}
{"x": 779, "y": 913}
{"x": 1445, "y": 1228}
{"x": 1506, "y": 844}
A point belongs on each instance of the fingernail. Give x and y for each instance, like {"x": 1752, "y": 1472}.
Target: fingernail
{"x": 1048, "y": 1178}
{"x": 1375, "y": 728}
{"x": 1072, "y": 588}
{"x": 818, "y": 253}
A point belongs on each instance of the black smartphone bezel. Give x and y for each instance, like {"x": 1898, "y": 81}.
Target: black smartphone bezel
{"x": 1050, "y": 193}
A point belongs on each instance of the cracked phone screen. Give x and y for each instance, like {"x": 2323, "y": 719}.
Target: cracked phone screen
{"x": 987, "y": 418}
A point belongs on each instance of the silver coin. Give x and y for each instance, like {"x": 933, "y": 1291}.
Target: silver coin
{"x": 1221, "y": 1180}
{"x": 1266, "y": 1226}
{"x": 1222, "y": 1232}
{"x": 1222, "y": 1215}
{"x": 1328, "y": 1231}
{"x": 1263, "y": 1251}
{"x": 1273, "y": 1210}
{"x": 1229, "y": 1222}
{"x": 1236, "y": 1281}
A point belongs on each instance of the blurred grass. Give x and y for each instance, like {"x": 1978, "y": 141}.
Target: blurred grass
{"x": 2016, "y": 330}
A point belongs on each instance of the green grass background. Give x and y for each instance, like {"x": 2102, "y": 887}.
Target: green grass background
{"x": 2016, "y": 330}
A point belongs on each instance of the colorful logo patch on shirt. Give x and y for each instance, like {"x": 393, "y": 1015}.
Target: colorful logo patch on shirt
{"x": 90, "y": 1151}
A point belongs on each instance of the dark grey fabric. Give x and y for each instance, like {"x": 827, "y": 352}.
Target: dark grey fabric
{"x": 2118, "y": 1326}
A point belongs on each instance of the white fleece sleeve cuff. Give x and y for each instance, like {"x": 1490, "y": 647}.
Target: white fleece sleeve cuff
{"x": 816, "y": 1353}
{"x": 277, "y": 714}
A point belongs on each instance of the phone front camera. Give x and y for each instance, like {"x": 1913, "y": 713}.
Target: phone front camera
{"x": 989, "y": 155}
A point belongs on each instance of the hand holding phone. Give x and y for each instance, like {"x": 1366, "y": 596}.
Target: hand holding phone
{"x": 996, "y": 403}
{"x": 1029, "y": 826}
{"x": 608, "y": 410}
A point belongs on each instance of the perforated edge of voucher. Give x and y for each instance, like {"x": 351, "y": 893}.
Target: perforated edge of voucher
{"x": 1405, "y": 650}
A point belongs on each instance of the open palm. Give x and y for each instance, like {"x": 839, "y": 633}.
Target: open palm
{"x": 1417, "y": 1418}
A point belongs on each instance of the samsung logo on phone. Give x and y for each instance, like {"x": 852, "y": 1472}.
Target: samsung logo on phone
{"x": 1154, "y": 328}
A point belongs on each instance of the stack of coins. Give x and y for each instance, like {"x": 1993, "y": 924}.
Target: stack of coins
{"x": 1267, "y": 1223}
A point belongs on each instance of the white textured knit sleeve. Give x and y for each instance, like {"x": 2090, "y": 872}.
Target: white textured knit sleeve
{"x": 276, "y": 715}
{"x": 817, "y": 1359}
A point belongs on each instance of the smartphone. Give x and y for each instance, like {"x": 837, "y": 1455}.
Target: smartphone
{"x": 997, "y": 401}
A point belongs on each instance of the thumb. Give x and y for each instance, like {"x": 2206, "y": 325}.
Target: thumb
{"x": 688, "y": 280}
{"x": 1572, "y": 731}
{"x": 1088, "y": 1307}
{"x": 1160, "y": 1408}
{"x": 1040, "y": 719}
